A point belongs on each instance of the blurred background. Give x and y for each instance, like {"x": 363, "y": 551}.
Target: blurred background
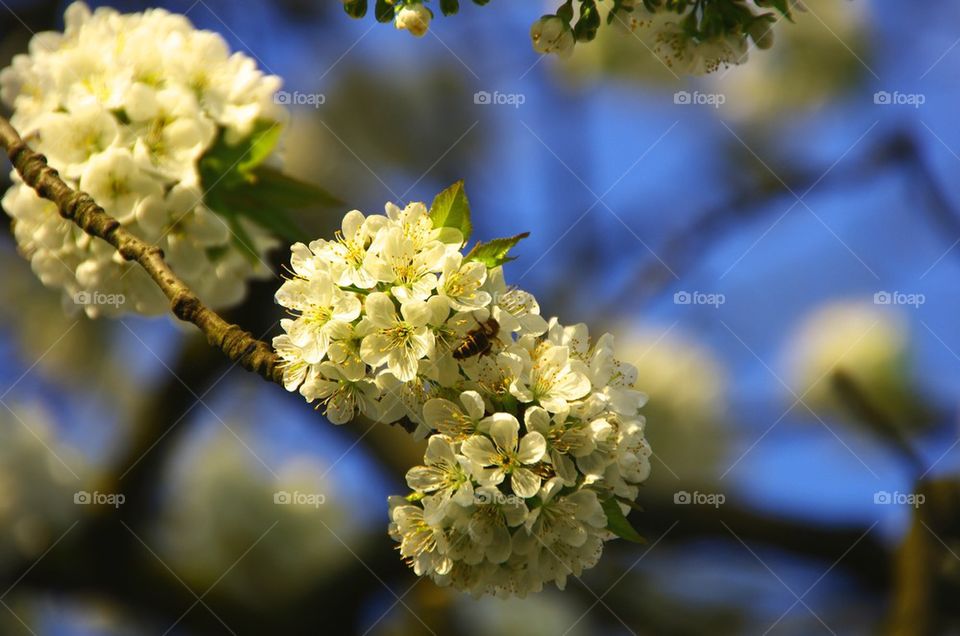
{"x": 775, "y": 247}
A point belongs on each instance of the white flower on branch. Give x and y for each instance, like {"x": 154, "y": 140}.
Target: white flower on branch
{"x": 502, "y": 455}
{"x": 127, "y": 107}
{"x": 668, "y": 35}
{"x": 693, "y": 38}
{"x": 535, "y": 434}
{"x": 550, "y": 34}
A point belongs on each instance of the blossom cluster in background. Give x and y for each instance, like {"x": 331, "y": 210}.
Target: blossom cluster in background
{"x": 41, "y": 477}
{"x": 126, "y": 107}
{"x": 689, "y": 36}
{"x": 536, "y": 444}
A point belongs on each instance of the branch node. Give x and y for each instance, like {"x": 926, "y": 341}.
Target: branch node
{"x": 185, "y": 305}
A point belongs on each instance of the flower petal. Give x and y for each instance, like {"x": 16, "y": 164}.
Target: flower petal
{"x": 380, "y": 309}
{"x": 537, "y": 419}
{"x": 504, "y": 429}
{"x": 524, "y": 483}
{"x": 480, "y": 449}
{"x": 439, "y": 451}
{"x": 424, "y": 478}
{"x": 473, "y": 404}
{"x": 533, "y": 446}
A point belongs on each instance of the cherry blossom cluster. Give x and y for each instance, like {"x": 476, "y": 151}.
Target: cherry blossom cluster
{"x": 412, "y": 16}
{"x": 690, "y": 41}
{"x": 536, "y": 442}
{"x": 689, "y": 36}
{"x": 125, "y": 106}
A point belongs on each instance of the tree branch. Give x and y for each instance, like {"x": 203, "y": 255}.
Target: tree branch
{"x": 237, "y": 344}
{"x": 925, "y": 581}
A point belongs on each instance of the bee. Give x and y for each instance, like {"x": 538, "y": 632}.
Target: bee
{"x": 478, "y": 341}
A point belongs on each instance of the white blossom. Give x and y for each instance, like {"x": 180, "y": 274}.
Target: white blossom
{"x": 343, "y": 396}
{"x": 446, "y": 477}
{"x": 320, "y": 307}
{"x": 528, "y": 431}
{"x": 414, "y": 18}
{"x": 663, "y": 32}
{"x": 124, "y": 106}
{"x": 460, "y": 283}
{"x": 405, "y": 264}
{"x": 550, "y": 34}
{"x": 452, "y": 420}
{"x": 398, "y": 340}
{"x": 503, "y": 454}
{"x": 551, "y": 378}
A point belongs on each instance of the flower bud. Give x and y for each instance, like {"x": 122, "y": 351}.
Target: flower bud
{"x": 414, "y": 18}
{"x": 550, "y": 34}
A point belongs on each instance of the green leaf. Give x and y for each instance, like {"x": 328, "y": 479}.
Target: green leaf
{"x": 355, "y": 8}
{"x": 495, "y": 253}
{"x": 288, "y": 192}
{"x": 273, "y": 219}
{"x": 243, "y": 240}
{"x": 261, "y": 144}
{"x": 450, "y": 208}
{"x": 226, "y": 164}
{"x": 269, "y": 196}
{"x": 384, "y": 11}
{"x": 449, "y": 7}
{"x": 239, "y": 235}
{"x": 239, "y": 185}
{"x": 617, "y": 523}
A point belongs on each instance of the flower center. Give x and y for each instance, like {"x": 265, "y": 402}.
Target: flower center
{"x": 318, "y": 315}
{"x": 353, "y": 250}
{"x": 398, "y": 336}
